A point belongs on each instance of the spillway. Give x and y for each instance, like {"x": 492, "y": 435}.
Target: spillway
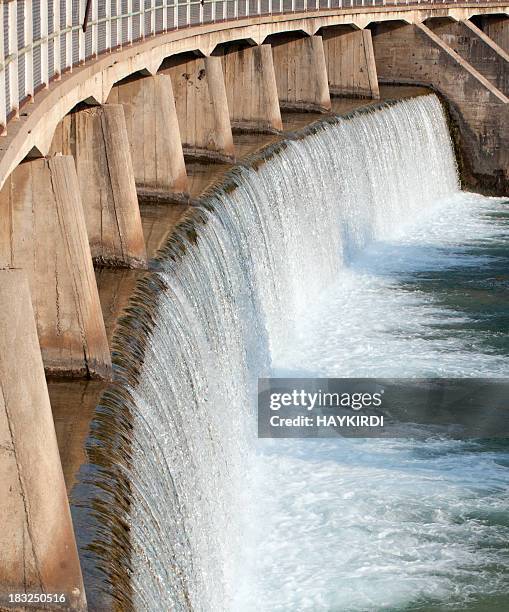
{"x": 240, "y": 287}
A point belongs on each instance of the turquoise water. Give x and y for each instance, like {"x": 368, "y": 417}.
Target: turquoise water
{"x": 397, "y": 524}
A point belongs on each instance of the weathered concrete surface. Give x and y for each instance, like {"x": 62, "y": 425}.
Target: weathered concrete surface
{"x": 202, "y": 106}
{"x": 251, "y": 88}
{"x": 350, "y": 62}
{"x": 37, "y": 547}
{"x": 154, "y": 137}
{"x": 479, "y": 111}
{"x": 97, "y": 139}
{"x": 301, "y": 73}
{"x": 43, "y": 231}
{"x": 476, "y": 48}
{"x": 497, "y": 28}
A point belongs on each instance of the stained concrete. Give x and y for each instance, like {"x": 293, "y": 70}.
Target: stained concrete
{"x": 251, "y": 88}
{"x": 43, "y": 232}
{"x": 154, "y": 137}
{"x": 474, "y": 46}
{"x": 202, "y": 106}
{"x": 301, "y": 73}
{"x": 479, "y": 111}
{"x": 350, "y": 62}
{"x": 496, "y": 27}
{"x": 97, "y": 139}
{"x": 38, "y": 552}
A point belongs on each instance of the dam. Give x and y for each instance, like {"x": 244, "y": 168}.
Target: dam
{"x": 253, "y": 247}
{"x": 197, "y": 195}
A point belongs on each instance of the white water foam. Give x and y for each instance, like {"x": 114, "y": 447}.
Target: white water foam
{"x": 365, "y": 325}
{"x": 381, "y": 524}
{"x": 221, "y": 522}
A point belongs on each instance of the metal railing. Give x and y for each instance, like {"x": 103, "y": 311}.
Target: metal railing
{"x": 43, "y": 38}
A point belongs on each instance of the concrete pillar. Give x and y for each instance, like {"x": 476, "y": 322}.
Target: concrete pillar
{"x": 154, "y": 137}
{"x": 38, "y": 551}
{"x": 496, "y": 27}
{"x": 97, "y": 139}
{"x": 479, "y": 111}
{"x": 301, "y": 73}
{"x": 43, "y": 231}
{"x": 350, "y": 62}
{"x": 473, "y": 45}
{"x": 251, "y": 88}
{"x": 202, "y": 106}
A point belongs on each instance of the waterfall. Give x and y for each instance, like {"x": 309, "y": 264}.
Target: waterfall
{"x": 238, "y": 273}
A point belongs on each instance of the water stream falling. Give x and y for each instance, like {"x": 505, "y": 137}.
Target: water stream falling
{"x": 291, "y": 268}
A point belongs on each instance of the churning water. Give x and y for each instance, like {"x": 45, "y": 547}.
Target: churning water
{"x": 348, "y": 252}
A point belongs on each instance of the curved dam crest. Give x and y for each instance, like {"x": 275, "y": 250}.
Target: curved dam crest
{"x": 174, "y": 439}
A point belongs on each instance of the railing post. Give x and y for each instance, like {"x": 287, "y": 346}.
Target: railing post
{"x": 13, "y": 55}
{"x": 142, "y": 19}
{"x": 119, "y": 23}
{"x": 29, "y": 54}
{"x": 95, "y": 17}
{"x": 44, "y": 43}
{"x": 81, "y": 34}
{"x": 68, "y": 34}
{"x": 57, "y": 67}
{"x": 165, "y": 16}
{"x": 109, "y": 25}
{"x": 188, "y": 12}
{"x": 130, "y": 21}
{"x": 153, "y": 17}
{"x": 3, "y": 110}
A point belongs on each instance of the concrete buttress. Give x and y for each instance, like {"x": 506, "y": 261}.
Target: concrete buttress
{"x": 154, "y": 137}
{"x": 350, "y": 61}
{"x": 43, "y": 232}
{"x": 97, "y": 139}
{"x": 301, "y": 73}
{"x": 251, "y": 88}
{"x": 202, "y": 106}
{"x": 38, "y": 553}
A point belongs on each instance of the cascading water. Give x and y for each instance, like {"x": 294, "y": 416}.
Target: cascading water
{"x": 243, "y": 276}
